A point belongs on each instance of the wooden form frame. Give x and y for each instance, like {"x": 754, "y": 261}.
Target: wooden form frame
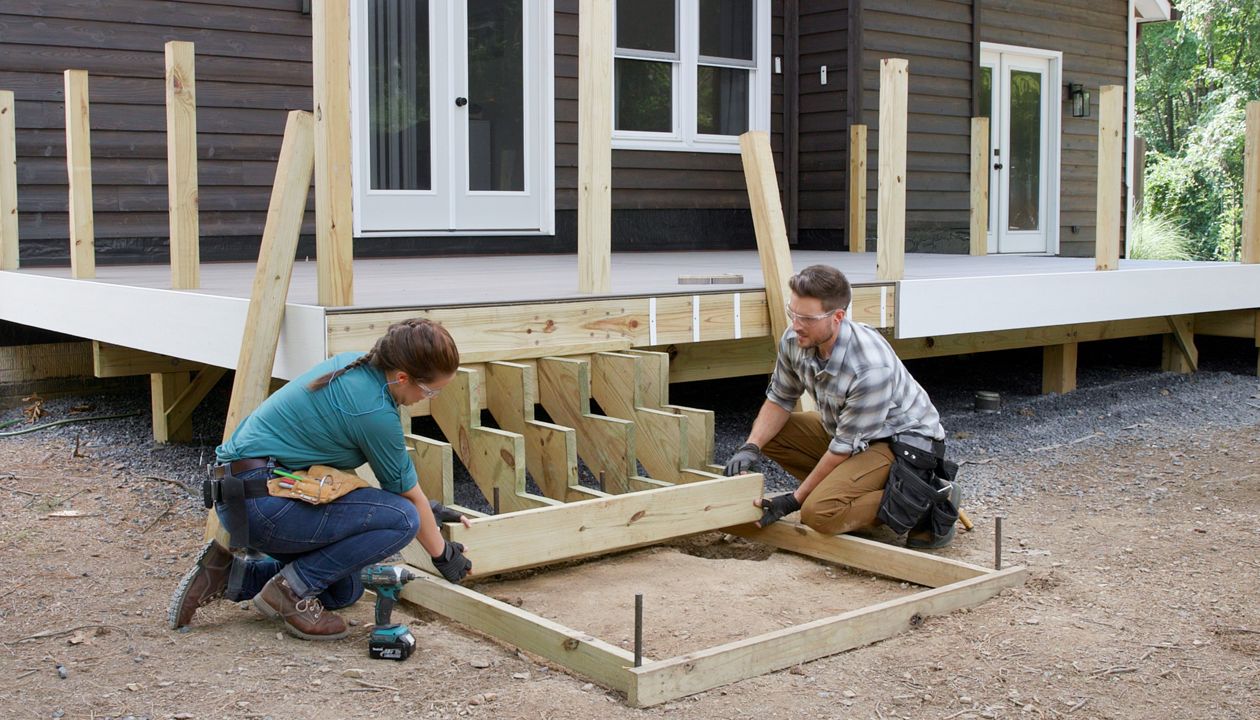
{"x": 595, "y": 526}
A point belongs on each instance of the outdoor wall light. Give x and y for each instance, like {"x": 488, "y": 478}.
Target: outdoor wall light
{"x": 1080, "y": 99}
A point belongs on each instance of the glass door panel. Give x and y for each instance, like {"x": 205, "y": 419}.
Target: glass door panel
{"x": 1025, "y": 156}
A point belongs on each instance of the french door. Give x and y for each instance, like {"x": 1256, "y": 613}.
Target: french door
{"x": 452, "y": 115}
{"x": 1019, "y": 94}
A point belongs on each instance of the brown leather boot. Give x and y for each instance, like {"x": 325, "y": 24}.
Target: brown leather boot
{"x": 204, "y": 582}
{"x": 305, "y": 618}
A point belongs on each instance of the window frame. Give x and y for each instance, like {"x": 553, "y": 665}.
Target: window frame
{"x": 685, "y": 137}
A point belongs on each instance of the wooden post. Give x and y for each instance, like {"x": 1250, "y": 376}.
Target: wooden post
{"x": 595, "y": 71}
{"x": 8, "y": 184}
{"x": 890, "y": 256}
{"x": 79, "y": 168}
{"x": 334, "y": 222}
{"x": 164, "y": 388}
{"x": 980, "y": 186}
{"x": 767, "y": 212}
{"x": 1058, "y": 368}
{"x": 1251, "y": 187}
{"x": 857, "y": 188}
{"x": 181, "y": 165}
{"x": 1110, "y": 157}
{"x": 275, "y": 268}
{"x": 1180, "y": 354}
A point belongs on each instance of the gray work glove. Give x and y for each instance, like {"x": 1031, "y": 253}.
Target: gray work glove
{"x": 452, "y": 563}
{"x": 443, "y": 513}
{"x": 773, "y": 509}
{"x": 744, "y": 460}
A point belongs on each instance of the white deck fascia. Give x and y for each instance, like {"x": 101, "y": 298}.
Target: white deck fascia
{"x": 193, "y": 326}
{"x": 948, "y": 306}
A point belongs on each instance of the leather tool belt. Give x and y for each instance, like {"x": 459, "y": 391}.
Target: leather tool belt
{"x": 917, "y": 494}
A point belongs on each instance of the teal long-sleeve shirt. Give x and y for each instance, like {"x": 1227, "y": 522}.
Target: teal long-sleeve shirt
{"x": 351, "y": 421}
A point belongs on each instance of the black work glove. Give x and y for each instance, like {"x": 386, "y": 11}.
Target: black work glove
{"x": 773, "y": 509}
{"x": 452, "y": 563}
{"x": 744, "y": 459}
{"x": 443, "y": 513}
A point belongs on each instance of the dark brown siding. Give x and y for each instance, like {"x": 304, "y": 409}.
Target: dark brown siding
{"x": 1093, "y": 35}
{"x": 253, "y": 64}
{"x": 823, "y": 123}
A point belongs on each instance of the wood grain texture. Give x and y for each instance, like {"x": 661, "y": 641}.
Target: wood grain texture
{"x": 1110, "y": 161}
{"x": 891, "y": 206}
{"x": 8, "y": 183}
{"x": 979, "y": 233}
{"x": 595, "y": 125}
{"x": 181, "y": 165}
{"x": 857, "y": 188}
{"x": 334, "y": 223}
{"x": 79, "y": 170}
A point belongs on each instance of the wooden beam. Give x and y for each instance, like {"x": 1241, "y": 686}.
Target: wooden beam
{"x": 116, "y": 361}
{"x": 591, "y": 527}
{"x": 8, "y": 183}
{"x": 334, "y": 222}
{"x": 694, "y": 672}
{"x": 181, "y": 165}
{"x": 1180, "y": 353}
{"x": 44, "y": 361}
{"x": 163, "y": 389}
{"x": 1110, "y": 159}
{"x": 1228, "y": 323}
{"x": 979, "y": 186}
{"x": 720, "y": 359}
{"x": 1058, "y": 368}
{"x": 79, "y": 169}
{"x": 495, "y": 458}
{"x": 576, "y": 651}
{"x": 967, "y": 343}
{"x": 662, "y": 436}
{"x": 1251, "y": 187}
{"x": 595, "y": 126}
{"x": 857, "y": 188}
{"x": 605, "y": 444}
{"x": 179, "y": 413}
{"x": 275, "y": 269}
{"x": 767, "y": 212}
{"x": 890, "y": 211}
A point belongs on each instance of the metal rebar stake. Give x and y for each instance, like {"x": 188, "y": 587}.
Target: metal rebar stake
{"x": 638, "y": 629}
{"x": 495, "y": 501}
{"x": 997, "y": 543}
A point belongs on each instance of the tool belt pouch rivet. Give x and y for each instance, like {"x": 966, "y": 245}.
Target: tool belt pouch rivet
{"x": 318, "y": 485}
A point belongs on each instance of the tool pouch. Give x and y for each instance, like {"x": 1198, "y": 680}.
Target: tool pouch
{"x": 917, "y": 491}
{"x": 319, "y": 485}
{"x": 232, "y": 513}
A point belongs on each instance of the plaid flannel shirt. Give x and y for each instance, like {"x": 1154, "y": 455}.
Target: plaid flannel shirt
{"x": 863, "y": 391}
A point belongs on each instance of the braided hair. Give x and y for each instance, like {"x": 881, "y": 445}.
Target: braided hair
{"x": 419, "y": 347}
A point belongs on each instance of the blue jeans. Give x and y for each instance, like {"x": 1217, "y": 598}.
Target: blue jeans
{"x": 323, "y": 547}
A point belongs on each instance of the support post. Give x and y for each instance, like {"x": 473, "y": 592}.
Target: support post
{"x": 980, "y": 186}
{"x": 891, "y": 212}
{"x": 595, "y": 70}
{"x": 1058, "y": 368}
{"x": 1180, "y": 353}
{"x": 1110, "y": 157}
{"x": 163, "y": 389}
{"x": 857, "y": 188}
{"x": 79, "y": 169}
{"x": 181, "y": 165}
{"x": 334, "y": 233}
{"x": 767, "y": 212}
{"x": 8, "y": 184}
{"x": 1251, "y": 187}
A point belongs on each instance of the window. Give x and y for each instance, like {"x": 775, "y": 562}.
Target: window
{"x": 690, "y": 75}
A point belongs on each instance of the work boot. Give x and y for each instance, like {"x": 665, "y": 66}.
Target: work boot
{"x": 305, "y": 618}
{"x": 204, "y": 582}
{"x": 920, "y": 539}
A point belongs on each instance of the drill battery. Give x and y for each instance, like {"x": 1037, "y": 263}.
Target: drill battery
{"x": 391, "y": 642}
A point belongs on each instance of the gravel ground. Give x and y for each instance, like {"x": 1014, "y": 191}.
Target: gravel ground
{"x": 1121, "y": 389}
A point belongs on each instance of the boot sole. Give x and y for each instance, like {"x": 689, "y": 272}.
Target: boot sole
{"x": 177, "y": 598}
{"x": 274, "y": 614}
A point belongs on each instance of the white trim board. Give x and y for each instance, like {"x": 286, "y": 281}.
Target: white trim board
{"x": 947, "y": 306}
{"x": 193, "y": 326}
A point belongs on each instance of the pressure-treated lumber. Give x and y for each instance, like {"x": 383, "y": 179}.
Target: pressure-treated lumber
{"x": 605, "y": 444}
{"x": 334, "y": 226}
{"x": 661, "y": 436}
{"x": 8, "y": 183}
{"x": 179, "y": 412}
{"x": 767, "y": 212}
{"x": 1110, "y": 159}
{"x": 694, "y": 672}
{"x": 79, "y": 169}
{"x": 181, "y": 165}
{"x": 577, "y": 651}
{"x": 1251, "y": 187}
{"x": 980, "y": 186}
{"x": 275, "y": 269}
{"x": 116, "y": 361}
{"x": 595, "y": 125}
{"x": 1180, "y": 353}
{"x": 163, "y": 389}
{"x": 1058, "y": 368}
{"x": 550, "y": 449}
{"x": 590, "y": 527}
{"x": 43, "y": 361}
{"x": 890, "y": 211}
{"x": 435, "y": 466}
{"x": 654, "y": 368}
{"x": 494, "y": 458}
{"x": 967, "y": 343}
{"x": 857, "y": 188}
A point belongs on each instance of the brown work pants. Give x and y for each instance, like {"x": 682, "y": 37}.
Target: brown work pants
{"x": 848, "y": 498}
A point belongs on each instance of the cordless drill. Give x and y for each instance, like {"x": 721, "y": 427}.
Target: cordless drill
{"x": 389, "y": 641}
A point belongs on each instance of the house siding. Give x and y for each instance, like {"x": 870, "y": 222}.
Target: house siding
{"x": 824, "y": 138}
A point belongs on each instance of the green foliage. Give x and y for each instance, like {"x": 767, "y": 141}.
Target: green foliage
{"x": 1195, "y": 77}
{"x": 1159, "y": 238}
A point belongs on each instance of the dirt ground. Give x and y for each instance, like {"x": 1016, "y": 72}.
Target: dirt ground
{"x": 1143, "y": 601}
